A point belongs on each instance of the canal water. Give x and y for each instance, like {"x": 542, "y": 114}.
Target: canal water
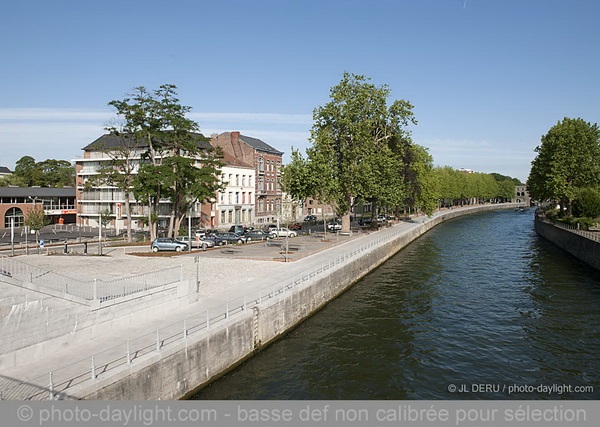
{"x": 480, "y": 307}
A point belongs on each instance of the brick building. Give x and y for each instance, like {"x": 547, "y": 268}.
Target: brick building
{"x": 15, "y": 202}
{"x": 266, "y": 161}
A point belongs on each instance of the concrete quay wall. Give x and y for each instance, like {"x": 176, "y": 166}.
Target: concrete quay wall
{"x": 34, "y": 329}
{"x": 180, "y": 371}
{"x": 580, "y": 247}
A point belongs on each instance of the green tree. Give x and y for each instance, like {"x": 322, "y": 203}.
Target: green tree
{"x": 48, "y": 173}
{"x": 568, "y": 159}
{"x": 29, "y": 171}
{"x": 176, "y": 165}
{"x": 423, "y": 187}
{"x": 35, "y": 219}
{"x": 297, "y": 178}
{"x": 587, "y": 203}
{"x": 350, "y": 137}
{"x": 120, "y": 170}
{"x": 57, "y": 173}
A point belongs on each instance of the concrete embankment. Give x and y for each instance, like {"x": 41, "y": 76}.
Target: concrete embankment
{"x": 580, "y": 246}
{"x": 196, "y": 360}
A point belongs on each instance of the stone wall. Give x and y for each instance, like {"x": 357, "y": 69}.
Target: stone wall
{"x": 183, "y": 369}
{"x": 585, "y": 249}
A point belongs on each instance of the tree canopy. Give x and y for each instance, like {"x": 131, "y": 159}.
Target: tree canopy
{"x": 47, "y": 173}
{"x": 361, "y": 149}
{"x": 356, "y": 140}
{"x": 176, "y": 165}
{"x": 568, "y": 160}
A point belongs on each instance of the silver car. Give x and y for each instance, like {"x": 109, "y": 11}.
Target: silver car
{"x": 168, "y": 244}
{"x": 198, "y": 242}
{"x": 282, "y": 232}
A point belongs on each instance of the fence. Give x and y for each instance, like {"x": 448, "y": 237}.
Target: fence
{"x": 56, "y": 384}
{"x": 592, "y": 235}
{"x": 90, "y": 290}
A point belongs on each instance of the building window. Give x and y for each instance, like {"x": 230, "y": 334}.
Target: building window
{"x": 237, "y": 180}
{"x": 15, "y": 213}
{"x": 222, "y": 217}
{"x": 261, "y": 164}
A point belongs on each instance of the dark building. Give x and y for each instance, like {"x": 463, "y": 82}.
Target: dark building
{"x": 15, "y": 202}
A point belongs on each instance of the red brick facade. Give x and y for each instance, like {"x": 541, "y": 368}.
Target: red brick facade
{"x": 267, "y": 162}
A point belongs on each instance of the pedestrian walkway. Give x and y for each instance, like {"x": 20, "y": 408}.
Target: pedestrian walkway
{"x": 72, "y": 366}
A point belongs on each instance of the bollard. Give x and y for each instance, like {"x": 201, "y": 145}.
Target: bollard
{"x": 226, "y": 310}
{"x": 93, "y": 369}
{"x": 51, "y": 387}
{"x": 65, "y": 250}
{"x": 85, "y": 248}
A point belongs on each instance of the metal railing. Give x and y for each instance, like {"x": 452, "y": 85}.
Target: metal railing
{"x": 592, "y": 235}
{"x": 56, "y": 384}
{"x": 89, "y": 290}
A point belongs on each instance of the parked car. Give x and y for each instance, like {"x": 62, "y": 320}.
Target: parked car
{"x": 198, "y": 242}
{"x": 364, "y": 221}
{"x": 296, "y": 226}
{"x": 231, "y": 237}
{"x": 381, "y": 218}
{"x": 310, "y": 218}
{"x": 257, "y": 235}
{"x": 168, "y": 244}
{"x": 334, "y": 226}
{"x": 282, "y": 232}
{"x": 218, "y": 241}
{"x": 238, "y": 229}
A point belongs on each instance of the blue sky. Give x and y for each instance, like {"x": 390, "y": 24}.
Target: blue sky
{"x": 487, "y": 77}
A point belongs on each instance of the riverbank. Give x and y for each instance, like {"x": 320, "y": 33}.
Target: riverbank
{"x": 583, "y": 245}
{"x": 197, "y": 343}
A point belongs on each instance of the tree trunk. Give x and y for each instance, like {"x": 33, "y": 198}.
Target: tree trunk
{"x": 346, "y": 215}
{"x": 128, "y": 207}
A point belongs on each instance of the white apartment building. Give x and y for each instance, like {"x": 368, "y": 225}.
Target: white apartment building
{"x": 100, "y": 199}
{"x": 235, "y": 204}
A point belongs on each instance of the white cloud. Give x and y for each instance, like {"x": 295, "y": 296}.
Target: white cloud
{"x": 58, "y": 114}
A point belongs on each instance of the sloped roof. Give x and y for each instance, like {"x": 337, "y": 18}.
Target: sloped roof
{"x": 109, "y": 141}
{"x": 259, "y": 145}
{"x": 4, "y": 169}
{"x": 229, "y": 160}
{"x": 37, "y": 192}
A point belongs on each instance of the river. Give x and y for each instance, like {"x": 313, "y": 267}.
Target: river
{"x": 480, "y": 307}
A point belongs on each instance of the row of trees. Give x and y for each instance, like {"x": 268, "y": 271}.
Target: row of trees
{"x": 47, "y": 173}
{"x": 566, "y": 169}
{"x": 176, "y": 162}
{"x": 361, "y": 149}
